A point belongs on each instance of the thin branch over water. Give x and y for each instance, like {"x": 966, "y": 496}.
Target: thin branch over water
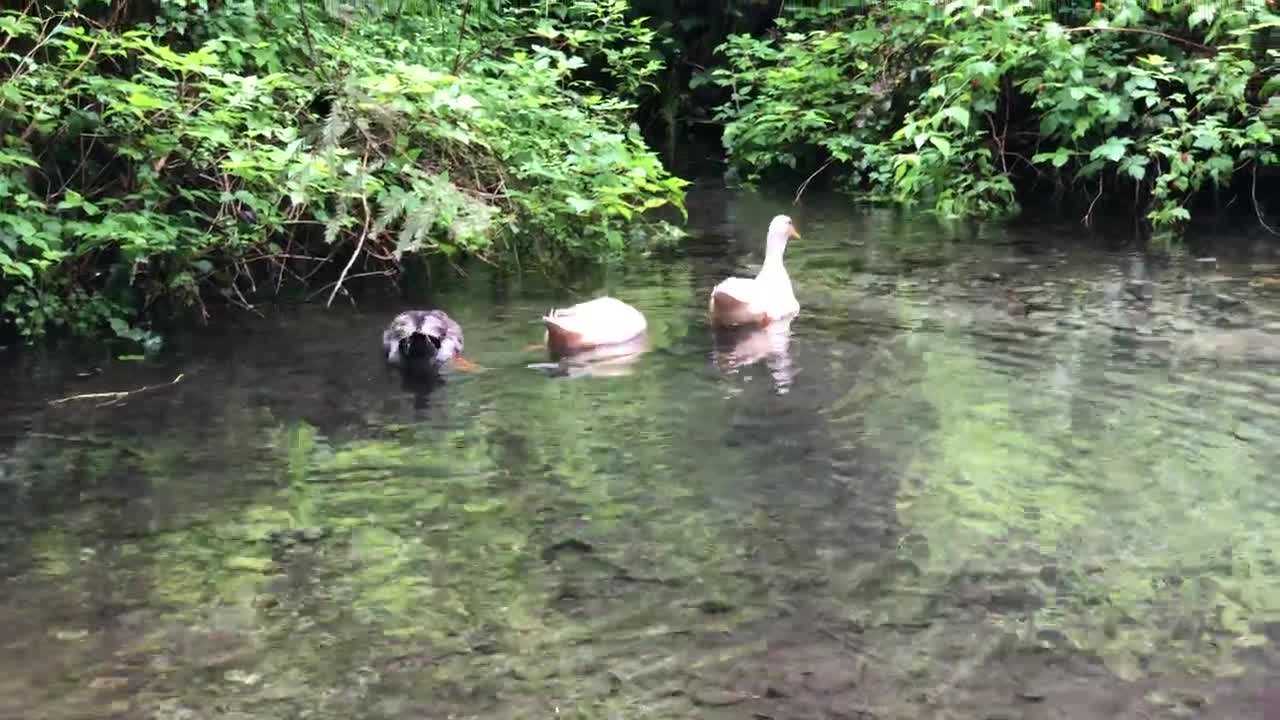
{"x": 114, "y": 397}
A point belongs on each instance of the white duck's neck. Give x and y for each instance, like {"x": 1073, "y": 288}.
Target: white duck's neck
{"x": 773, "y": 267}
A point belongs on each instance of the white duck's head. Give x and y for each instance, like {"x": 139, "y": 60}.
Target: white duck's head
{"x": 780, "y": 231}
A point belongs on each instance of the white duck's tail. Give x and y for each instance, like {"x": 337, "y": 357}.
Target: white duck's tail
{"x": 560, "y": 332}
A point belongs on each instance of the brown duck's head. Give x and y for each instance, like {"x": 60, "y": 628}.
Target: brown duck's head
{"x": 416, "y": 335}
{"x": 422, "y": 339}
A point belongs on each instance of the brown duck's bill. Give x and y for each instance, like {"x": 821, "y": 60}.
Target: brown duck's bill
{"x": 464, "y": 364}
{"x": 533, "y": 347}
{"x": 795, "y": 233}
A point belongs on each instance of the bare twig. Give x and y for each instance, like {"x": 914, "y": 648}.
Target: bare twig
{"x": 1024, "y": 159}
{"x": 1088, "y": 214}
{"x": 292, "y": 256}
{"x": 45, "y": 37}
{"x": 1004, "y": 135}
{"x": 805, "y": 184}
{"x": 999, "y": 140}
{"x": 114, "y": 397}
{"x": 311, "y": 48}
{"x": 1142, "y": 31}
{"x": 371, "y": 273}
{"x": 1257, "y": 209}
{"x": 462, "y": 29}
{"x": 253, "y": 285}
{"x": 320, "y": 266}
{"x": 364, "y": 233}
{"x": 204, "y": 312}
{"x": 241, "y": 301}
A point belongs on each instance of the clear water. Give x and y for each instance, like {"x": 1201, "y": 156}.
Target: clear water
{"x": 917, "y": 504}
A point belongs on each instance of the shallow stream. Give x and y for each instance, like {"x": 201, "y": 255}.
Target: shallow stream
{"x": 926, "y": 499}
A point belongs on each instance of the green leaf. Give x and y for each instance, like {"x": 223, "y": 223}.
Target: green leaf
{"x": 13, "y": 159}
{"x": 1220, "y": 166}
{"x": 1059, "y": 156}
{"x": 247, "y": 564}
{"x": 71, "y": 200}
{"x": 1091, "y": 168}
{"x": 958, "y": 114}
{"x": 903, "y": 163}
{"x": 1258, "y": 132}
{"x": 142, "y": 101}
{"x": 865, "y": 36}
{"x": 22, "y": 227}
{"x": 1113, "y": 149}
{"x": 982, "y": 69}
{"x": 19, "y": 268}
{"x": 1207, "y": 141}
{"x": 943, "y": 145}
{"x": 1143, "y": 82}
{"x": 1114, "y": 110}
{"x": 1203, "y": 14}
{"x": 1135, "y": 167}
{"x": 580, "y": 205}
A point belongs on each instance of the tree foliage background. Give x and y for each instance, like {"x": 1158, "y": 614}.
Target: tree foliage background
{"x": 159, "y": 153}
{"x": 156, "y": 155}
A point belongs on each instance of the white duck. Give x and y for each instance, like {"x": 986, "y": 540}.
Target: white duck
{"x": 766, "y": 297}
{"x": 596, "y": 324}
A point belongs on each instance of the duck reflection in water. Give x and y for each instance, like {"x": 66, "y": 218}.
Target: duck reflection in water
{"x": 614, "y": 360}
{"x": 744, "y": 345}
{"x": 422, "y": 386}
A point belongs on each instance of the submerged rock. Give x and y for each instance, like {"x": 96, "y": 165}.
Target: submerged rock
{"x": 714, "y": 606}
{"x": 296, "y": 535}
{"x": 717, "y": 697}
{"x": 1247, "y": 345}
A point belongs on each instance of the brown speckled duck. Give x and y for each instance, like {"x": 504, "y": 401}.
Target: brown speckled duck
{"x": 422, "y": 339}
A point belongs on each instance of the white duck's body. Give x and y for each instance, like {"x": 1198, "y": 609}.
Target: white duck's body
{"x": 765, "y": 298}
{"x": 594, "y": 324}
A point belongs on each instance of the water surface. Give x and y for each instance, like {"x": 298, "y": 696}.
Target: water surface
{"x": 918, "y": 502}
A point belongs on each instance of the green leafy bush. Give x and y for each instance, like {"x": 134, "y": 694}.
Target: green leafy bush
{"x": 137, "y": 172}
{"x": 959, "y": 105}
